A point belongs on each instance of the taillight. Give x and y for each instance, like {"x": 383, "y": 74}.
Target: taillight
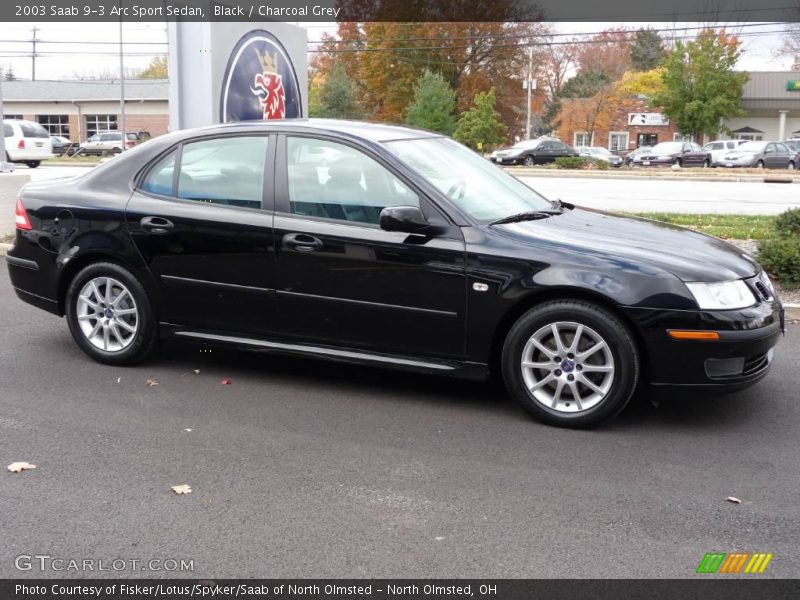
{"x": 129, "y": 143}
{"x": 21, "y": 145}
{"x": 22, "y": 220}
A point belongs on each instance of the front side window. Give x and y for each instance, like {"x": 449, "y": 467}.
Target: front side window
{"x": 333, "y": 181}
{"x": 470, "y": 182}
{"x": 227, "y": 171}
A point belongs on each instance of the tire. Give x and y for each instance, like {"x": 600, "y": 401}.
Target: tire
{"x": 760, "y": 164}
{"x": 791, "y": 166}
{"x": 82, "y": 303}
{"x": 678, "y": 162}
{"x": 529, "y": 161}
{"x": 32, "y": 164}
{"x": 706, "y": 164}
{"x": 614, "y": 388}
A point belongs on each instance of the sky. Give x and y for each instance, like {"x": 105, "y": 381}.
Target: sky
{"x": 79, "y": 49}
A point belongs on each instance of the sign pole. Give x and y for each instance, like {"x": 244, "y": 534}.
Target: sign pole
{"x": 5, "y": 167}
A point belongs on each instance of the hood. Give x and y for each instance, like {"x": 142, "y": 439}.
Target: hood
{"x": 688, "y": 255}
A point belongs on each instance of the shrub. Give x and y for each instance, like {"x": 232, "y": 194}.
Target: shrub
{"x": 788, "y": 223}
{"x": 781, "y": 257}
{"x": 579, "y": 162}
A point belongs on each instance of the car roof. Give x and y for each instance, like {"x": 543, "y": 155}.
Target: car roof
{"x": 377, "y": 132}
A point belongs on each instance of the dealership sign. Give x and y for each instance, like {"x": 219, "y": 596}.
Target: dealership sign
{"x": 260, "y": 81}
{"x": 648, "y": 119}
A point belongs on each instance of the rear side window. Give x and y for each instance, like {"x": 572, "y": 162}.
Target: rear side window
{"x": 226, "y": 171}
{"x": 33, "y": 130}
{"x": 159, "y": 179}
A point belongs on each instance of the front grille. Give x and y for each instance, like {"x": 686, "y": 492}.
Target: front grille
{"x": 762, "y": 290}
{"x": 753, "y": 364}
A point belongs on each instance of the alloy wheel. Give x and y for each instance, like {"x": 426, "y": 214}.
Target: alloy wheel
{"x": 567, "y": 367}
{"x": 107, "y": 314}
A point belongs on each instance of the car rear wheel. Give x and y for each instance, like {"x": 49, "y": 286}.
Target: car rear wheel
{"x": 528, "y": 162}
{"x": 791, "y": 166}
{"x": 706, "y": 163}
{"x": 677, "y": 162}
{"x": 570, "y": 363}
{"x": 32, "y": 164}
{"x": 110, "y": 315}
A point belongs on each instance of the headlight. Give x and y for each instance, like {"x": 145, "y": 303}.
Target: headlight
{"x": 723, "y": 295}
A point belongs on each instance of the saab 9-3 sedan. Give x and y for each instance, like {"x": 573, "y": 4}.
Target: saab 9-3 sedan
{"x": 388, "y": 246}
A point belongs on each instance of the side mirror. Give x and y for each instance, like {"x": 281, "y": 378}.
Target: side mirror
{"x": 408, "y": 219}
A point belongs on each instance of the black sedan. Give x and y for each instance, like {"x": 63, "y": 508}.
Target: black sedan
{"x": 401, "y": 249}
{"x": 533, "y": 152}
{"x": 682, "y": 154}
{"x": 63, "y": 146}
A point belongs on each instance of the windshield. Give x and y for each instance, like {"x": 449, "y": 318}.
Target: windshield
{"x": 473, "y": 184}
{"x": 668, "y": 147}
{"x": 751, "y": 147}
{"x": 598, "y": 151}
{"x": 525, "y": 144}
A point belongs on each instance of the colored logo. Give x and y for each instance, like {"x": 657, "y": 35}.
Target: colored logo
{"x": 260, "y": 81}
{"x": 736, "y": 562}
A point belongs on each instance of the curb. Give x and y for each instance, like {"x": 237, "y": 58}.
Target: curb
{"x": 653, "y": 176}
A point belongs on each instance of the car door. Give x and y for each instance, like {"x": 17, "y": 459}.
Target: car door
{"x": 92, "y": 144}
{"x": 783, "y": 155}
{"x": 341, "y": 279}
{"x": 559, "y": 150}
{"x": 201, "y": 216}
{"x": 771, "y": 157}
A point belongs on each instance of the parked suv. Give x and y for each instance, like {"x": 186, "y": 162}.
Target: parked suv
{"x": 720, "y": 148}
{"x": 26, "y": 142}
{"x": 109, "y": 142}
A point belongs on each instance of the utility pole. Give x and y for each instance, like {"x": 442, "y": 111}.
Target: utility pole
{"x": 5, "y": 167}
{"x": 33, "y": 55}
{"x": 122, "y": 88}
{"x": 529, "y": 85}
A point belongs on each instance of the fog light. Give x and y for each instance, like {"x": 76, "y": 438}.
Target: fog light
{"x": 724, "y": 367}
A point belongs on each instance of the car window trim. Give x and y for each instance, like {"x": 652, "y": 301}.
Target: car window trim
{"x": 282, "y": 207}
{"x": 267, "y": 191}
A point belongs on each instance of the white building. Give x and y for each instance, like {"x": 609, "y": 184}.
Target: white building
{"x": 771, "y": 100}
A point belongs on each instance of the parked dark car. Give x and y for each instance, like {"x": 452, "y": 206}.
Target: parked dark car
{"x": 533, "y": 152}
{"x": 683, "y": 154}
{"x": 408, "y": 251}
{"x": 762, "y": 155}
{"x": 63, "y": 146}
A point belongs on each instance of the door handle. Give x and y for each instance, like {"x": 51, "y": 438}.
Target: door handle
{"x": 156, "y": 225}
{"x": 301, "y": 242}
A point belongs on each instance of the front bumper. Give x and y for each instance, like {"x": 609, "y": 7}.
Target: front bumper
{"x": 739, "y": 162}
{"x": 740, "y": 357}
{"x": 505, "y": 160}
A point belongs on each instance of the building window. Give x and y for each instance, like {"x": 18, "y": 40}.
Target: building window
{"x": 582, "y": 139}
{"x": 99, "y": 123}
{"x": 13, "y": 117}
{"x": 682, "y": 137}
{"x": 751, "y": 137}
{"x": 55, "y": 124}
{"x": 618, "y": 141}
{"x": 646, "y": 139}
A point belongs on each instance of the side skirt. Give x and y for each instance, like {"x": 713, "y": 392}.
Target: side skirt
{"x": 448, "y": 368}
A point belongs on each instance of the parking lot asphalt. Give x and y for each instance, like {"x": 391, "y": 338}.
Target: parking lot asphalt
{"x": 301, "y": 468}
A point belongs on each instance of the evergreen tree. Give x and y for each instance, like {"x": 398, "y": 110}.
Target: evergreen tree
{"x": 338, "y": 97}
{"x": 480, "y": 126}
{"x": 647, "y": 50}
{"x": 434, "y": 104}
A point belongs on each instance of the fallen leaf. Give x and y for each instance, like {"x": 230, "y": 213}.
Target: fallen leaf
{"x": 152, "y": 382}
{"x": 18, "y": 467}
{"x": 119, "y": 379}
{"x": 197, "y": 371}
{"x": 188, "y": 430}
{"x": 181, "y": 489}
{"x": 733, "y": 500}
{"x": 226, "y": 382}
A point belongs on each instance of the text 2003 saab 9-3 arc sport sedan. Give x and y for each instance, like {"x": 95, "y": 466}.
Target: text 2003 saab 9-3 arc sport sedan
{"x": 388, "y": 246}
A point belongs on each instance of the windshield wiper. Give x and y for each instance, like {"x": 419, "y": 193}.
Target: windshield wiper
{"x": 526, "y": 216}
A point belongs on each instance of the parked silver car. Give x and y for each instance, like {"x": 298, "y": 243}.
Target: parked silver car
{"x": 762, "y": 155}
{"x": 108, "y": 142}
{"x": 600, "y": 153}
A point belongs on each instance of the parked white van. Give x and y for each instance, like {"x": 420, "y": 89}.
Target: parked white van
{"x": 26, "y": 142}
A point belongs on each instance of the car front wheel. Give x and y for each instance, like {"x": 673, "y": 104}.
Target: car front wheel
{"x": 570, "y": 363}
{"x": 529, "y": 161}
{"x": 110, "y": 315}
{"x": 32, "y": 164}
